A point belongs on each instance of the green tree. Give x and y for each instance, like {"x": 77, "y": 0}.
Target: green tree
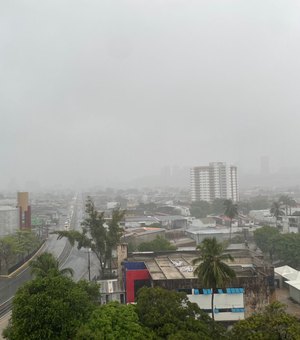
{"x": 282, "y": 247}
{"x": 277, "y": 211}
{"x": 287, "y": 250}
{"x": 217, "y": 206}
{"x": 260, "y": 202}
{"x": 265, "y": 238}
{"x": 114, "y": 321}
{"x": 212, "y": 271}
{"x": 9, "y": 249}
{"x": 46, "y": 264}
{"x": 27, "y": 241}
{"x": 200, "y": 209}
{"x": 271, "y": 324}
{"x": 97, "y": 234}
{"x": 51, "y": 307}
{"x": 288, "y": 203}
{"x": 170, "y": 315}
{"x": 159, "y": 244}
{"x": 231, "y": 211}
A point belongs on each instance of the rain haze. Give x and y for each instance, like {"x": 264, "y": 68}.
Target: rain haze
{"x": 99, "y": 92}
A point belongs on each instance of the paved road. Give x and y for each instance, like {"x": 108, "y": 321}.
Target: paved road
{"x": 9, "y": 286}
{"x": 78, "y": 258}
{"x": 69, "y": 257}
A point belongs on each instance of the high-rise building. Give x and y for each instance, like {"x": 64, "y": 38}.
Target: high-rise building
{"x": 24, "y": 210}
{"x": 217, "y": 180}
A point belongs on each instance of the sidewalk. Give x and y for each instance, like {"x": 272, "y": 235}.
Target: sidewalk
{"x": 4, "y": 323}
{"x": 282, "y": 295}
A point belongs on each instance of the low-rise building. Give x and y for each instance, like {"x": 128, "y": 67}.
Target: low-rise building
{"x": 251, "y": 290}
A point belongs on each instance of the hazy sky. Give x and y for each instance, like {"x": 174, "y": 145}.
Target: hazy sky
{"x": 112, "y": 90}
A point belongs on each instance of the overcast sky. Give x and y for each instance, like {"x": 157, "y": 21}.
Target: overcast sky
{"x": 112, "y": 90}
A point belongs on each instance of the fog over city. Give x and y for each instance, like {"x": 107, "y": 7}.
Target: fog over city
{"x": 103, "y": 92}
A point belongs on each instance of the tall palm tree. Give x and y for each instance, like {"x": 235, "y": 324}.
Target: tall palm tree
{"x": 277, "y": 211}
{"x": 231, "y": 211}
{"x": 46, "y": 264}
{"x": 212, "y": 271}
{"x": 288, "y": 203}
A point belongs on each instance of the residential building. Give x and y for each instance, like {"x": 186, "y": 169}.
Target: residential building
{"x": 217, "y": 180}
{"x": 251, "y": 290}
{"x": 9, "y": 220}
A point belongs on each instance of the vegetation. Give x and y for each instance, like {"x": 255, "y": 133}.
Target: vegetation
{"x": 13, "y": 248}
{"x": 231, "y": 211}
{"x": 170, "y": 315}
{"x": 114, "y": 321}
{"x": 277, "y": 211}
{"x": 50, "y": 307}
{"x": 288, "y": 203}
{"x": 159, "y": 244}
{"x": 281, "y": 247}
{"x": 55, "y": 307}
{"x": 212, "y": 271}
{"x": 271, "y": 324}
{"x": 265, "y": 238}
{"x": 202, "y": 209}
{"x": 99, "y": 235}
{"x": 46, "y": 264}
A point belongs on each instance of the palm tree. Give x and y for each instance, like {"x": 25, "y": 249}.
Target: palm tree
{"x": 212, "y": 271}
{"x": 46, "y": 264}
{"x": 231, "y": 211}
{"x": 277, "y": 211}
{"x": 288, "y": 203}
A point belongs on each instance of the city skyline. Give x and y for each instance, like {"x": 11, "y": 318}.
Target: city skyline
{"x": 116, "y": 91}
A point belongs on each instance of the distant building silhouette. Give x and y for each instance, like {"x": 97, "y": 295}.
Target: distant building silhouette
{"x": 217, "y": 180}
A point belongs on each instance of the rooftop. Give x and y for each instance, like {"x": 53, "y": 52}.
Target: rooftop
{"x": 177, "y": 265}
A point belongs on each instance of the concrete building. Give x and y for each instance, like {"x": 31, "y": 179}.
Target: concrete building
{"x": 217, "y": 180}
{"x": 24, "y": 210}
{"x": 142, "y": 234}
{"x": 251, "y": 290}
{"x": 111, "y": 290}
{"x": 9, "y": 220}
{"x": 290, "y": 277}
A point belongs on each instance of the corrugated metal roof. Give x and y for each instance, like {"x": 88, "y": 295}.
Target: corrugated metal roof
{"x": 170, "y": 268}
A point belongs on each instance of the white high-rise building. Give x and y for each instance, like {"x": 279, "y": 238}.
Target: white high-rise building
{"x": 217, "y": 180}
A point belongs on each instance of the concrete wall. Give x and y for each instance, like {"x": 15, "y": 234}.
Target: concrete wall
{"x": 294, "y": 294}
{"x": 232, "y": 303}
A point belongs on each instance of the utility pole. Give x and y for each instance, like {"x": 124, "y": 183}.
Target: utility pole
{"x": 89, "y": 263}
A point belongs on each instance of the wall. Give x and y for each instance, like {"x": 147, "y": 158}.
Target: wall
{"x": 294, "y": 294}
{"x": 131, "y": 277}
{"x": 9, "y": 220}
{"x": 133, "y": 271}
{"x": 228, "y": 307}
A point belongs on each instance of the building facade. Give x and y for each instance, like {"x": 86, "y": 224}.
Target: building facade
{"x": 24, "y": 210}
{"x": 251, "y": 290}
{"x": 217, "y": 180}
{"x": 9, "y": 220}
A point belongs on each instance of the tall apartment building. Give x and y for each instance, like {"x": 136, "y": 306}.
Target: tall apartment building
{"x": 217, "y": 180}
